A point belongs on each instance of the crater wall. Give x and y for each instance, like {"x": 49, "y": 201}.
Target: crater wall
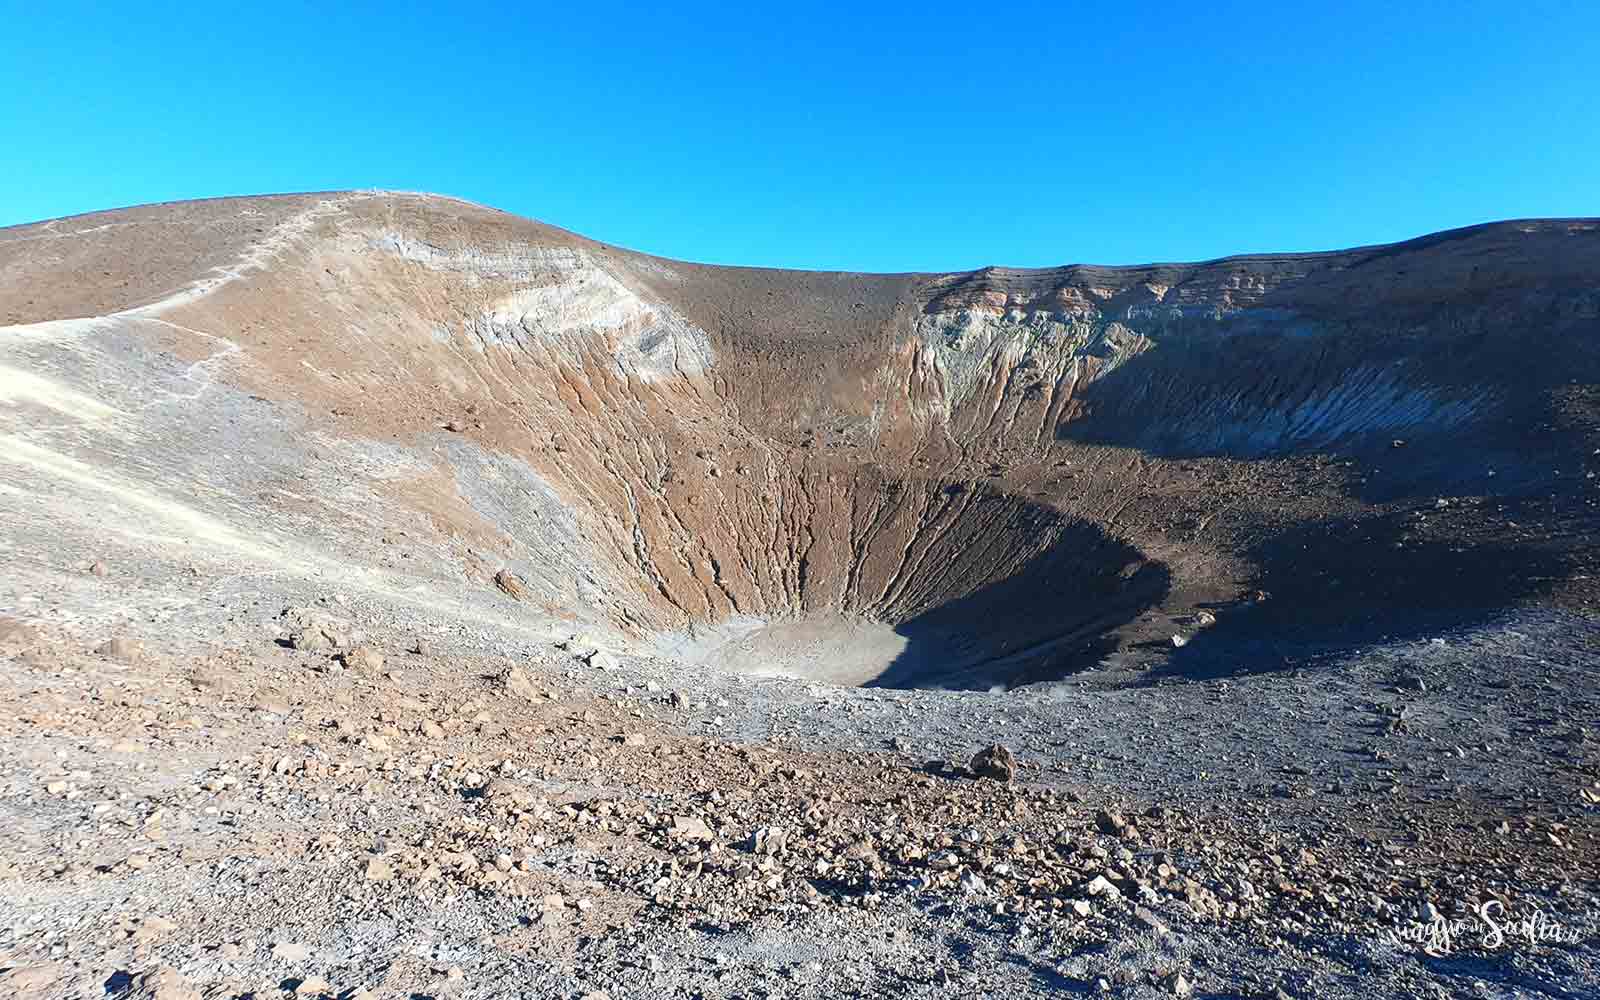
{"x": 1014, "y": 472}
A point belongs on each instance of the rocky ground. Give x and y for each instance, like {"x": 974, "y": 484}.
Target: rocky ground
{"x": 325, "y": 805}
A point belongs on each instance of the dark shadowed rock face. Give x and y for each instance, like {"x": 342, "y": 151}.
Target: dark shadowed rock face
{"x": 1008, "y": 473}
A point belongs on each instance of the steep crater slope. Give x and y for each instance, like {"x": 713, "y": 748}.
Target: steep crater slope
{"x": 971, "y": 479}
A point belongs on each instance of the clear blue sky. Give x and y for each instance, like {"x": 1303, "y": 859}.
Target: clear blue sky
{"x": 929, "y": 136}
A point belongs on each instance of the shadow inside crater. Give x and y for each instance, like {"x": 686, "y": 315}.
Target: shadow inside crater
{"x": 1338, "y": 585}
{"x": 1056, "y": 614}
{"x": 1463, "y": 389}
{"x": 1248, "y": 388}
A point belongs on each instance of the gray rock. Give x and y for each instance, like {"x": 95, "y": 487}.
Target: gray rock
{"x": 290, "y": 951}
{"x": 691, "y": 828}
{"x": 770, "y": 840}
{"x": 1102, "y": 886}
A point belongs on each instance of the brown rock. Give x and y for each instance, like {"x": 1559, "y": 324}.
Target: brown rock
{"x": 1150, "y": 920}
{"x": 121, "y": 648}
{"x": 162, "y": 983}
{"x": 152, "y": 929}
{"x": 517, "y": 681}
{"x": 312, "y": 640}
{"x": 507, "y": 794}
{"x": 315, "y": 630}
{"x": 511, "y": 584}
{"x": 17, "y": 636}
{"x": 28, "y": 980}
{"x": 1110, "y": 822}
{"x": 363, "y": 657}
{"x": 996, "y": 762}
{"x": 318, "y": 638}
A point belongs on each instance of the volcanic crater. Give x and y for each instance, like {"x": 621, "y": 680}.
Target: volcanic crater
{"x": 981, "y": 479}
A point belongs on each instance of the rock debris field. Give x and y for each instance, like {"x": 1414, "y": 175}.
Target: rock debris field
{"x": 406, "y": 599}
